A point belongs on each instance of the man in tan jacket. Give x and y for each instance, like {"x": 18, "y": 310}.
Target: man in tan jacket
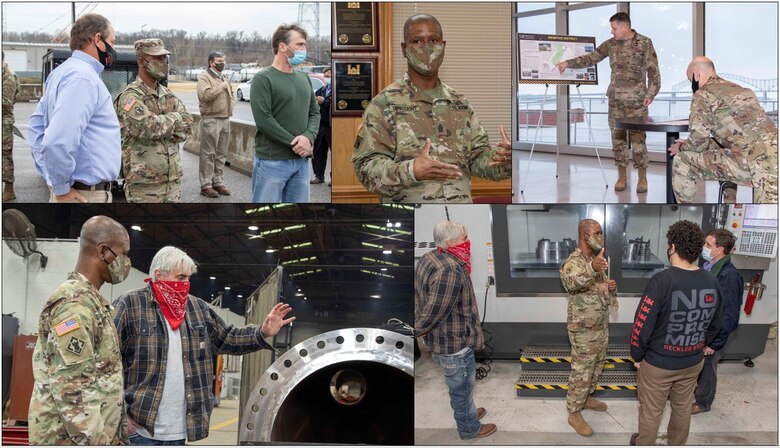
{"x": 217, "y": 100}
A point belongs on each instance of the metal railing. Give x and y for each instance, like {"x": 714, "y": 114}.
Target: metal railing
{"x": 669, "y": 104}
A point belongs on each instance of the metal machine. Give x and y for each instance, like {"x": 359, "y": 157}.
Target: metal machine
{"x": 526, "y": 312}
{"x": 122, "y": 72}
{"x": 346, "y": 386}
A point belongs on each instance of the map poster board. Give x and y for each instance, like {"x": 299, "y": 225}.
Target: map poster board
{"x": 538, "y": 55}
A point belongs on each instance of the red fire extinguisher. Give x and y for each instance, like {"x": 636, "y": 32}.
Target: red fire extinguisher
{"x": 751, "y": 297}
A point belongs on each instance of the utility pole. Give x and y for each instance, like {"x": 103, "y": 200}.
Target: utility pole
{"x": 73, "y": 12}
{"x": 309, "y": 19}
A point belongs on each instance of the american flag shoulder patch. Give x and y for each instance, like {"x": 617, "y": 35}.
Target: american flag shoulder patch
{"x": 66, "y": 326}
{"x": 129, "y": 104}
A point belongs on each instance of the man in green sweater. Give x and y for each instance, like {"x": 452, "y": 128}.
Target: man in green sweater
{"x": 287, "y": 118}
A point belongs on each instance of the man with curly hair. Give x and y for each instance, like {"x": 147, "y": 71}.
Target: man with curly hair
{"x": 678, "y": 316}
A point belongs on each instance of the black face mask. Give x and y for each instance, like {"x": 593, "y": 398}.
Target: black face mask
{"x": 106, "y": 57}
{"x": 694, "y": 85}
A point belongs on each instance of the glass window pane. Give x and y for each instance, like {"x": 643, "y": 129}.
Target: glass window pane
{"x": 541, "y": 238}
{"x": 530, "y": 96}
{"x": 741, "y": 55}
{"x": 525, "y": 7}
{"x": 591, "y": 22}
{"x": 670, "y": 26}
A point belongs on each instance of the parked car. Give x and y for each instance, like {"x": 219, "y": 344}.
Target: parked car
{"x": 317, "y": 80}
{"x": 242, "y": 91}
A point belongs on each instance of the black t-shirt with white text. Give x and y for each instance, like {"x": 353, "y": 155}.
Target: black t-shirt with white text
{"x": 679, "y": 314}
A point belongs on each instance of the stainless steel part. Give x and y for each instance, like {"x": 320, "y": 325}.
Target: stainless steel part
{"x": 637, "y": 250}
{"x": 547, "y": 250}
{"x": 293, "y": 402}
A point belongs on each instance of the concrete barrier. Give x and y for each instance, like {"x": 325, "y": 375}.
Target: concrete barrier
{"x": 241, "y": 148}
{"x": 29, "y": 92}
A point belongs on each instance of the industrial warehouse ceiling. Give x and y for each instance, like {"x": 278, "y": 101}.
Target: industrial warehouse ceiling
{"x": 344, "y": 259}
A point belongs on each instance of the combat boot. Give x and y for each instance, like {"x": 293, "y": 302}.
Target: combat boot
{"x": 620, "y": 185}
{"x": 8, "y": 193}
{"x": 596, "y": 405}
{"x": 641, "y": 185}
{"x": 580, "y": 425}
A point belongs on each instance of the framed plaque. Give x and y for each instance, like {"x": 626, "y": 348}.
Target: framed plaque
{"x": 355, "y": 26}
{"x": 354, "y": 84}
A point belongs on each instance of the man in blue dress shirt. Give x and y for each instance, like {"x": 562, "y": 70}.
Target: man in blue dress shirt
{"x": 74, "y": 131}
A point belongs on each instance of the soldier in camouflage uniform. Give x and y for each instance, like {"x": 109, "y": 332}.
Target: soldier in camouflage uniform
{"x": 420, "y": 140}
{"x": 154, "y": 121}
{"x": 731, "y": 138}
{"x": 78, "y": 395}
{"x": 591, "y": 294}
{"x": 10, "y": 91}
{"x": 635, "y": 82}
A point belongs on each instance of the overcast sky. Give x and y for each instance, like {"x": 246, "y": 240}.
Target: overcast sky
{"x": 193, "y": 17}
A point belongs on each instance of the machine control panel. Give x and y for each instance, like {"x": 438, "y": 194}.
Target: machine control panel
{"x": 755, "y": 226}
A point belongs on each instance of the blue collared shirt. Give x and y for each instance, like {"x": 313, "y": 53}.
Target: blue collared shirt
{"x": 74, "y": 132}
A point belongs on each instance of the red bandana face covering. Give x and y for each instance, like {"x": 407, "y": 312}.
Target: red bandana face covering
{"x": 172, "y": 297}
{"x": 462, "y": 251}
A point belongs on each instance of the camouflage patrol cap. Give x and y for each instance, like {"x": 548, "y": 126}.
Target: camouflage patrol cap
{"x": 152, "y": 47}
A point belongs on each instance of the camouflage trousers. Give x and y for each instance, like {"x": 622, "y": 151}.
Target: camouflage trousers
{"x": 588, "y": 353}
{"x": 8, "y": 157}
{"x": 622, "y": 109}
{"x": 715, "y": 163}
{"x": 154, "y": 193}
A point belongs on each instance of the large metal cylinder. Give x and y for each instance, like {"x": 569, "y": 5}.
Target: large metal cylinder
{"x": 345, "y": 386}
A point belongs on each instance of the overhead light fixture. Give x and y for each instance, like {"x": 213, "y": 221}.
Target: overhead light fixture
{"x": 305, "y": 298}
{"x": 387, "y": 252}
{"x": 227, "y": 288}
{"x": 253, "y": 228}
{"x": 240, "y": 296}
{"x": 138, "y": 228}
{"x": 387, "y": 228}
{"x": 270, "y": 251}
{"x": 298, "y": 294}
{"x": 212, "y": 278}
{"x": 297, "y": 246}
{"x": 376, "y": 296}
{"x": 383, "y": 269}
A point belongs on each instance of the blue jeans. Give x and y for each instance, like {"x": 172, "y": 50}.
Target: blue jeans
{"x": 460, "y": 375}
{"x": 137, "y": 439}
{"x": 280, "y": 181}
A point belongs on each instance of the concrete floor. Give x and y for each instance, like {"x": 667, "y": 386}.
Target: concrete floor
{"x": 223, "y": 428}
{"x": 744, "y": 411}
{"x": 580, "y": 181}
{"x": 30, "y": 187}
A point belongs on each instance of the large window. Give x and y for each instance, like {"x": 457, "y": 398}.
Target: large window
{"x": 747, "y": 53}
{"x": 591, "y": 22}
{"x": 670, "y": 26}
{"x": 530, "y": 96}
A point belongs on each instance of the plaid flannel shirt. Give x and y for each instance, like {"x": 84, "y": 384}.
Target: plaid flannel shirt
{"x": 144, "y": 347}
{"x": 445, "y": 307}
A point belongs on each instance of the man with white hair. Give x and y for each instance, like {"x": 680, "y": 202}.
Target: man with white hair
{"x": 447, "y": 318}
{"x": 168, "y": 343}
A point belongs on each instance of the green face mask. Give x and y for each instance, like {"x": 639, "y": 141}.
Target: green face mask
{"x": 157, "y": 69}
{"x": 596, "y": 243}
{"x": 427, "y": 59}
{"x": 119, "y": 268}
